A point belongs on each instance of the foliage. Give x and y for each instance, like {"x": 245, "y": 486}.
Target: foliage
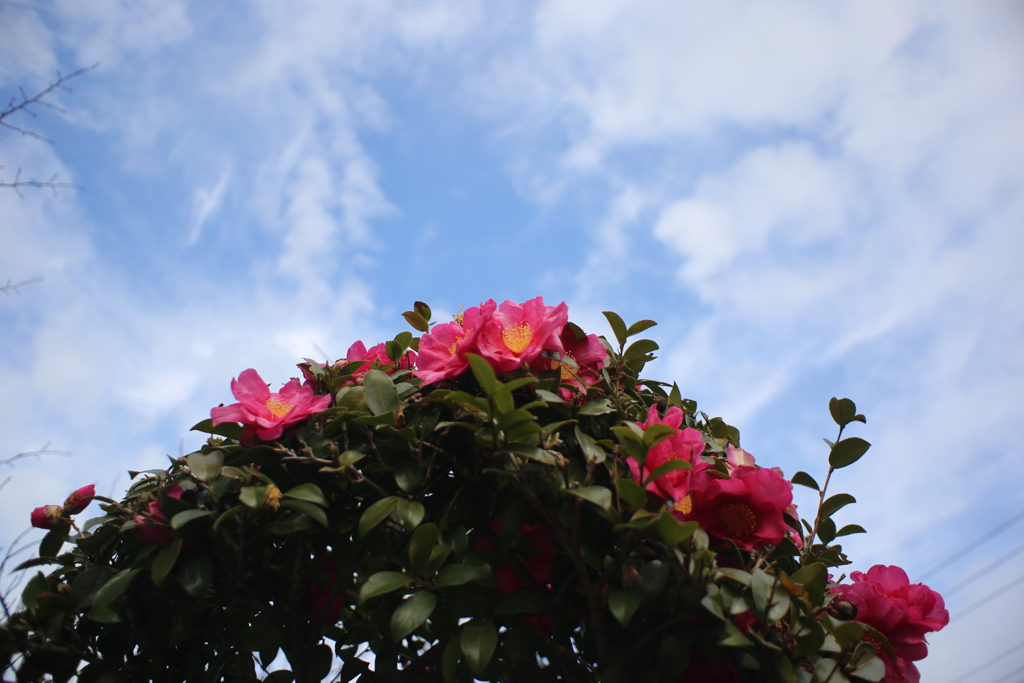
{"x": 515, "y": 502}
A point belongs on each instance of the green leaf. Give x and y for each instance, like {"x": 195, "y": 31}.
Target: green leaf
{"x": 598, "y": 495}
{"x": 639, "y": 326}
{"x": 804, "y": 479}
{"x": 618, "y": 327}
{"x": 483, "y": 372}
{"x": 843, "y": 410}
{"x": 310, "y": 492}
{"x": 381, "y": 395}
{"x": 599, "y": 406}
{"x": 229, "y": 429}
{"x": 672, "y": 530}
{"x": 640, "y": 348}
{"x": 549, "y": 397}
{"x": 410, "y": 512}
{"x": 113, "y": 589}
{"x": 182, "y": 518}
{"x": 733, "y": 637}
{"x": 228, "y": 514}
{"x": 416, "y": 321}
{"x": 835, "y": 503}
{"x": 456, "y": 575}
{"x": 381, "y": 583}
{"x": 591, "y": 450}
{"x": 349, "y": 458}
{"x": 847, "y": 452}
{"x": 851, "y": 529}
{"x": 54, "y": 540}
{"x": 631, "y": 492}
{"x": 422, "y": 309}
{"x": 35, "y": 586}
{"x": 422, "y": 545}
{"x": 665, "y": 468}
{"x": 253, "y": 496}
{"x": 195, "y": 576}
{"x": 478, "y": 640}
{"x": 291, "y": 523}
{"x": 164, "y": 561}
{"x": 306, "y": 508}
{"x": 411, "y": 613}
{"x": 528, "y": 451}
{"x": 624, "y": 604}
{"x": 206, "y": 467}
{"x": 376, "y": 513}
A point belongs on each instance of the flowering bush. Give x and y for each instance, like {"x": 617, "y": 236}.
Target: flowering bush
{"x": 504, "y": 497}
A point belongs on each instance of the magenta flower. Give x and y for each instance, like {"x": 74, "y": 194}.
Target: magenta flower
{"x": 443, "y": 350}
{"x": 152, "y": 526}
{"x": 901, "y": 611}
{"x": 263, "y": 413}
{"x": 47, "y": 516}
{"x": 518, "y": 333}
{"x": 687, "y": 444}
{"x": 79, "y": 500}
{"x": 747, "y": 508}
{"x": 590, "y": 356}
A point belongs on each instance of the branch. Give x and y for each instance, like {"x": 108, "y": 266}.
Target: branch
{"x": 12, "y": 286}
{"x": 45, "y": 450}
{"x": 51, "y": 183}
{"x": 26, "y": 101}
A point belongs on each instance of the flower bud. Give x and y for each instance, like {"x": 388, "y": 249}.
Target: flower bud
{"x": 79, "y": 500}
{"x": 843, "y": 609}
{"x": 631, "y": 578}
{"x": 47, "y": 516}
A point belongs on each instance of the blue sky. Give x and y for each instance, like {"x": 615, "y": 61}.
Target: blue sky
{"x": 813, "y": 199}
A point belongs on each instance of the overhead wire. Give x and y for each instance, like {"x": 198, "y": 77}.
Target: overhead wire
{"x": 981, "y": 572}
{"x": 988, "y": 598}
{"x": 1015, "y": 672}
{"x": 971, "y": 546}
{"x": 965, "y": 677}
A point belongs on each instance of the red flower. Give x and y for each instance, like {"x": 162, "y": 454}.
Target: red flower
{"x": 746, "y": 508}
{"x": 79, "y": 500}
{"x": 152, "y": 527}
{"x": 443, "y": 350}
{"x": 538, "y": 565}
{"x": 686, "y": 444}
{"x": 901, "y": 611}
{"x": 47, "y": 516}
{"x": 518, "y": 333}
{"x": 320, "y": 592}
{"x": 264, "y": 414}
{"x": 376, "y": 354}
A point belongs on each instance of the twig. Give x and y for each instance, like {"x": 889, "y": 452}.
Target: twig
{"x": 26, "y": 101}
{"x": 45, "y": 450}
{"x": 13, "y": 286}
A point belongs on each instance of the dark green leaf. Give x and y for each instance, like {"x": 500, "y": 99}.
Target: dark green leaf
{"x": 411, "y": 613}
{"x": 847, "y": 452}
{"x": 310, "y": 492}
{"x": 528, "y": 451}
{"x": 422, "y": 545}
{"x": 624, "y": 604}
{"x": 483, "y": 372}
{"x": 599, "y": 406}
{"x": 639, "y": 326}
{"x": 54, "y": 540}
{"x": 410, "y": 512}
{"x": 253, "y": 496}
{"x": 804, "y": 479}
{"x": 381, "y": 583}
{"x": 672, "y": 530}
{"x": 456, "y": 575}
{"x": 376, "y": 513}
{"x": 164, "y": 561}
{"x": 598, "y": 495}
{"x": 306, "y": 508}
{"x": 195, "y": 576}
{"x": 416, "y": 321}
{"x": 591, "y": 450}
{"x": 381, "y": 395}
{"x": 478, "y": 640}
{"x": 665, "y": 468}
{"x": 182, "y": 518}
{"x": 631, "y": 492}
{"x": 229, "y": 429}
{"x": 422, "y": 309}
{"x": 113, "y": 589}
{"x": 835, "y": 503}
{"x": 843, "y": 410}
{"x": 206, "y": 467}
{"x": 851, "y": 529}
{"x": 640, "y": 348}
{"x": 618, "y": 327}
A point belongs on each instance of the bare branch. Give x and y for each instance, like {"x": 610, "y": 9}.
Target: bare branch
{"x": 51, "y": 183}
{"x": 12, "y": 286}
{"x": 45, "y": 450}
{"x": 26, "y": 102}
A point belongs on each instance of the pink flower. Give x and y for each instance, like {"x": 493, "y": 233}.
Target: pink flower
{"x": 737, "y": 457}
{"x": 901, "y": 611}
{"x": 267, "y": 414}
{"x": 746, "y": 508}
{"x": 518, "y": 333}
{"x": 79, "y": 500}
{"x": 152, "y": 526}
{"x": 47, "y": 516}
{"x": 443, "y": 350}
{"x": 377, "y": 354}
{"x": 589, "y": 354}
{"x": 686, "y": 444}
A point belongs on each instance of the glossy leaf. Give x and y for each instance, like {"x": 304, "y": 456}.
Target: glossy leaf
{"x": 381, "y": 395}
{"x": 381, "y": 583}
{"x": 843, "y": 410}
{"x": 309, "y": 492}
{"x": 618, "y": 327}
{"x": 164, "y": 561}
{"x": 804, "y": 479}
{"x": 598, "y": 495}
{"x": 847, "y": 452}
{"x": 478, "y": 640}
{"x": 411, "y": 613}
{"x": 631, "y": 492}
{"x": 306, "y": 508}
{"x": 114, "y": 588}
{"x": 835, "y": 503}
{"x": 639, "y": 326}
{"x": 376, "y": 513}
{"x": 624, "y": 604}
{"x": 182, "y": 518}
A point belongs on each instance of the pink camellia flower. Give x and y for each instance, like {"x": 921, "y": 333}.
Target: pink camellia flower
{"x": 746, "y": 508}
{"x": 47, "y": 516}
{"x": 737, "y": 457}
{"x": 264, "y": 414}
{"x": 152, "y": 527}
{"x": 443, "y": 350}
{"x": 590, "y": 356}
{"x": 687, "y": 444}
{"x": 79, "y": 500}
{"x": 901, "y": 611}
{"x": 518, "y": 333}
{"x": 375, "y": 354}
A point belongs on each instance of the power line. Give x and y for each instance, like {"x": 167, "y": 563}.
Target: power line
{"x": 986, "y": 664}
{"x": 981, "y": 572}
{"x": 1010, "y": 675}
{"x": 988, "y": 598}
{"x": 981, "y": 539}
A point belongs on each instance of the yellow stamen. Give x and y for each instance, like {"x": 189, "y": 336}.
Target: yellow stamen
{"x": 567, "y": 369}
{"x": 684, "y": 505}
{"x": 458, "y": 318}
{"x": 451, "y": 349}
{"x": 517, "y": 337}
{"x": 278, "y": 407}
{"x": 738, "y": 518}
